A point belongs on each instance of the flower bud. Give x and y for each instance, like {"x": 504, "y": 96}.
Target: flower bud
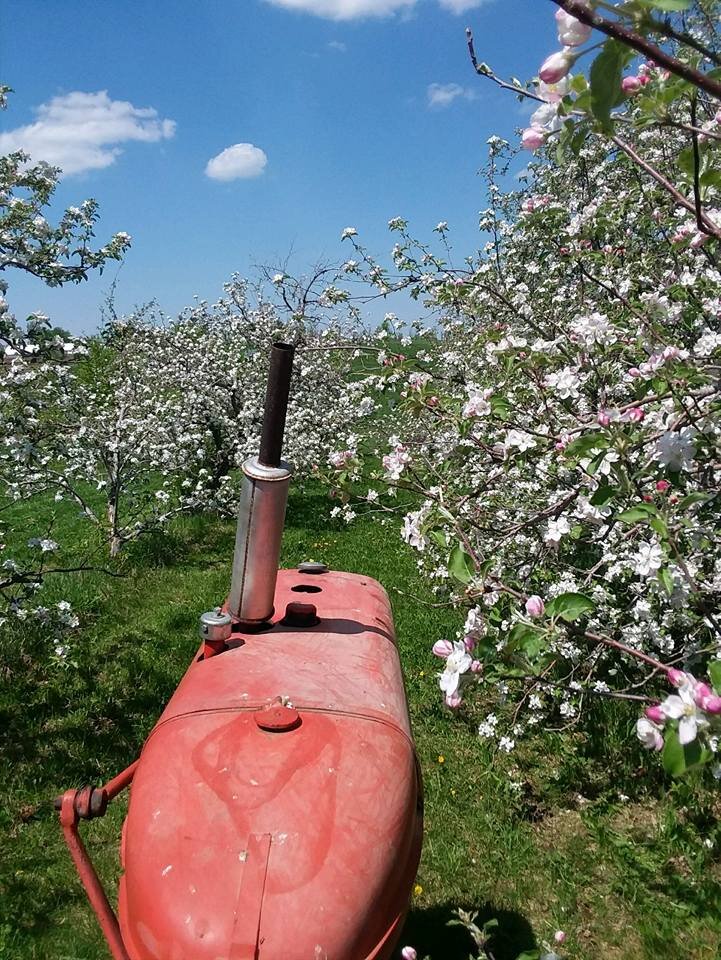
{"x": 533, "y": 139}
{"x": 712, "y": 704}
{"x": 635, "y": 414}
{"x": 535, "y": 606}
{"x": 701, "y": 693}
{"x": 662, "y": 485}
{"x": 655, "y": 714}
{"x": 555, "y": 67}
{"x": 631, "y": 85}
{"x": 604, "y": 418}
{"x": 476, "y": 666}
{"x": 634, "y": 372}
{"x": 559, "y": 936}
{"x": 469, "y": 642}
{"x": 453, "y": 700}
{"x": 676, "y": 677}
{"x": 571, "y": 32}
{"x": 408, "y": 953}
{"x": 443, "y": 648}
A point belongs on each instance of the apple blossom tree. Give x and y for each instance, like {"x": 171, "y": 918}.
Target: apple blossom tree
{"x": 561, "y": 442}
{"x": 34, "y": 361}
{"x": 158, "y": 417}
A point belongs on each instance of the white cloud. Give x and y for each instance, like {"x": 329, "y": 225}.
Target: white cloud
{"x": 337, "y": 45}
{"x": 346, "y": 9}
{"x": 443, "y": 94}
{"x": 355, "y": 9}
{"x": 242, "y": 160}
{"x": 83, "y": 131}
{"x": 460, "y": 6}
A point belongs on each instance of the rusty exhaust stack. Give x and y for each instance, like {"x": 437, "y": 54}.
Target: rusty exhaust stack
{"x": 262, "y": 503}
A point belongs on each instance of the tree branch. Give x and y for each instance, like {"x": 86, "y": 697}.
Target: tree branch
{"x": 613, "y": 28}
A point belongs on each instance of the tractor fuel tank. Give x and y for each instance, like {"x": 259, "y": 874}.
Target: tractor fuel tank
{"x": 276, "y": 810}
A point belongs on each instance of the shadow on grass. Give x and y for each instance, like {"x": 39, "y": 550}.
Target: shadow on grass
{"x": 308, "y": 511}
{"x": 427, "y": 930}
{"x": 198, "y": 536}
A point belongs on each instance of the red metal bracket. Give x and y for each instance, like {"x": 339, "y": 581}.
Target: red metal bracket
{"x": 86, "y": 804}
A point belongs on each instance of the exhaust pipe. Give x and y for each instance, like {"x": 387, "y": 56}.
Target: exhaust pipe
{"x": 262, "y": 503}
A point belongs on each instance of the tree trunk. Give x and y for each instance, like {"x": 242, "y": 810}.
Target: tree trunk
{"x": 114, "y": 539}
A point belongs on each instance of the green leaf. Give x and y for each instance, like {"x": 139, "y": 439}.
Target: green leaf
{"x": 714, "y": 672}
{"x": 670, "y": 6}
{"x": 605, "y": 77}
{"x": 526, "y": 638}
{"x": 570, "y": 606}
{"x": 460, "y": 564}
{"x": 677, "y": 759}
{"x": 585, "y": 443}
{"x": 603, "y": 495}
{"x": 636, "y": 514}
{"x": 666, "y": 580}
{"x": 685, "y": 161}
{"x": 499, "y": 406}
{"x": 659, "y": 526}
{"x": 692, "y": 498}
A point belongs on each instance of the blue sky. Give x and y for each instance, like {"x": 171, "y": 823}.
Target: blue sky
{"x": 352, "y": 116}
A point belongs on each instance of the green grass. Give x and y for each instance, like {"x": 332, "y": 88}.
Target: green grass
{"x": 625, "y": 878}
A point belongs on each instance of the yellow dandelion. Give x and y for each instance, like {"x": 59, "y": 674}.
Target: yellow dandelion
{"x": 422, "y": 673}
{"x": 417, "y": 890}
{"x": 441, "y": 758}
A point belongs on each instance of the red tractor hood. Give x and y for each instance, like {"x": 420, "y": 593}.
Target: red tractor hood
{"x": 276, "y": 810}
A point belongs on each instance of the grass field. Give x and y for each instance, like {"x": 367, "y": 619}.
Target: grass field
{"x": 577, "y": 835}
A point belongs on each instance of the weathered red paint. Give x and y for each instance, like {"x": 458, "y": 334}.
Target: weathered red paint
{"x": 276, "y": 810}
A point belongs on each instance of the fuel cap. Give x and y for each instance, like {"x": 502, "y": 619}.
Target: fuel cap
{"x": 277, "y": 718}
{"x": 300, "y": 615}
{"x": 312, "y": 566}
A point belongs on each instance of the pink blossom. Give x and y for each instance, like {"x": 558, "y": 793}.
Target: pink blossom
{"x": 635, "y": 414}
{"x": 469, "y": 642}
{"x": 555, "y": 67}
{"x": 604, "y": 417}
{"x": 476, "y": 666}
{"x": 662, "y": 485}
{"x": 535, "y": 606}
{"x": 677, "y": 677}
{"x": 533, "y": 139}
{"x": 571, "y": 32}
{"x": 408, "y": 953}
{"x": 701, "y": 693}
{"x": 452, "y": 700}
{"x": 656, "y": 714}
{"x": 631, "y": 85}
{"x": 443, "y": 648}
{"x": 340, "y": 459}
